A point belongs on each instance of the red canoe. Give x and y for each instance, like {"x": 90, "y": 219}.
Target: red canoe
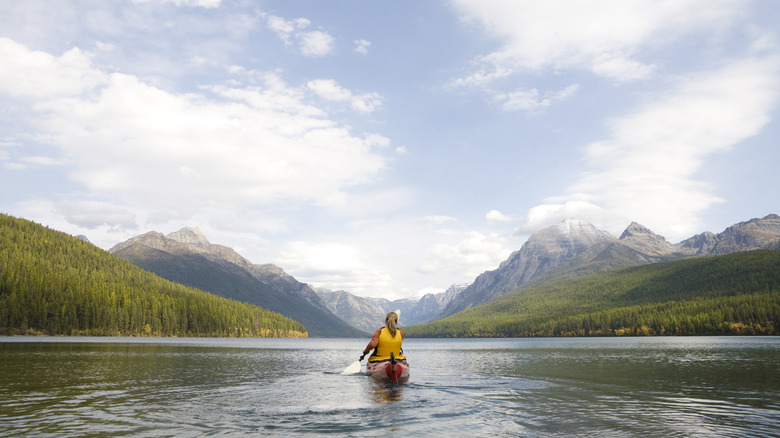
{"x": 392, "y": 370}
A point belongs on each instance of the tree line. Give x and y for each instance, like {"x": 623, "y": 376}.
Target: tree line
{"x": 734, "y": 294}
{"x": 55, "y": 284}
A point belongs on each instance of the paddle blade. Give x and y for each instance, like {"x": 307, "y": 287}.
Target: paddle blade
{"x": 353, "y": 368}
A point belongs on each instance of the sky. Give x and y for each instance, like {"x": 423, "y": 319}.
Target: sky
{"x": 387, "y": 148}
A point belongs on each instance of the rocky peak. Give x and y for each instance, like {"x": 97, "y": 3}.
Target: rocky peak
{"x": 573, "y": 226}
{"x": 636, "y": 229}
{"x": 753, "y": 234}
{"x": 451, "y": 293}
{"x": 640, "y": 238}
{"x": 570, "y": 236}
{"x": 699, "y": 244}
{"x": 152, "y": 239}
{"x": 190, "y": 236}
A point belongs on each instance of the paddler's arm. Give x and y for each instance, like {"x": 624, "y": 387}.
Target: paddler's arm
{"x": 374, "y": 342}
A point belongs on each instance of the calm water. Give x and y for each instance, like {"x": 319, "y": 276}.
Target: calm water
{"x": 515, "y": 387}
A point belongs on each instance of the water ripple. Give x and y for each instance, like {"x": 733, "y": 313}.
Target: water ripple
{"x": 500, "y": 387}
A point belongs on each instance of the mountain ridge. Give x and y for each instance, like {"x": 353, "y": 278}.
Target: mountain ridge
{"x": 572, "y": 247}
{"x": 186, "y": 256}
{"x": 575, "y": 246}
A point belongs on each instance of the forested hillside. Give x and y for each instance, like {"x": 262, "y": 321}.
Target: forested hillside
{"x": 56, "y": 284}
{"x": 714, "y": 295}
{"x": 193, "y": 261}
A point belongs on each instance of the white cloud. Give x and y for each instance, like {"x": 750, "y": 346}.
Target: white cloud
{"x": 646, "y": 170}
{"x": 208, "y": 4}
{"x": 429, "y": 290}
{"x": 104, "y": 47}
{"x": 439, "y": 219}
{"x": 242, "y": 145}
{"x": 87, "y": 214}
{"x": 311, "y": 43}
{"x": 332, "y": 265}
{"x": 329, "y": 89}
{"x": 621, "y": 69}
{"x": 40, "y": 161}
{"x": 366, "y": 102}
{"x": 316, "y": 43}
{"x": 530, "y": 100}
{"x": 482, "y": 78}
{"x": 103, "y": 223}
{"x": 286, "y": 28}
{"x": 439, "y": 252}
{"x": 466, "y": 259}
{"x": 556, "y": 210}
{"x": 497, "y": 216}
{"x": 35, "y": 74}
{"x": 604, "y": 36}
{"x": 361, "y": 46}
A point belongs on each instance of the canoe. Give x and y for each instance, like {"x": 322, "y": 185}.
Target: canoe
{"x": 391, "y": 370}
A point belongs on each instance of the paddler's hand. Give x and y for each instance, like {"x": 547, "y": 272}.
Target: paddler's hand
{"x": 361, "y": 358}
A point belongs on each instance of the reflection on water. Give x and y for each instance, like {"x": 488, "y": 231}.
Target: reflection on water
{"x": 570, "y": 387}
{"x": 385, "y": 392}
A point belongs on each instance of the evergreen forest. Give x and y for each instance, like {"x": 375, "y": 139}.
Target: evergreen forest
{"x": 52, "y": 283}
{"x": 735, "y": 294}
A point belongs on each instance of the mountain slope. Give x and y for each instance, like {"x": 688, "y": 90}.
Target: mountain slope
{"x": 187, "y": 257}
{"x": 715, "y": 295}
{"x": 575, "y": 248}
{"x": 363, "y": 313}
{"x": 56, "y": 284}
{"x": 543, "y": 251}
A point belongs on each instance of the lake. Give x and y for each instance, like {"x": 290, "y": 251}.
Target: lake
{"x": 656, "y": 386}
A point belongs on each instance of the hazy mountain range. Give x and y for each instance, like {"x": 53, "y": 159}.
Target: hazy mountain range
{"x": 369, "y": 313}
{"x": 573, "y": 247}
{"x": 570, "y": 248}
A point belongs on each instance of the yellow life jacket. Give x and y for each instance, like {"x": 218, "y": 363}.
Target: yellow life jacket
{"x": 387, "y": 344}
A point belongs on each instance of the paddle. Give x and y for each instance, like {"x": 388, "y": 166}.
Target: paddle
{"x": 353, "y": 368}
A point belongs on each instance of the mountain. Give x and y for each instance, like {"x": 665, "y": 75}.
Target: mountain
{"x": 638, "y": 246}
{"x": 543, "y": 251}
{"x": 426, "y": 308}
{"x": 363, "y": 313}
{"x": 732, "y": 294}
{"x": 575, "y": 248}
{"x": 187, "y": 257}
{"x": 745, "y": 236}
{"x": 369, "y": 313}
{"x": 56, "y": 284}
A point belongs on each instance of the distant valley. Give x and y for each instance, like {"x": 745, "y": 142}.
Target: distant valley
{"x": 369, "y": 313}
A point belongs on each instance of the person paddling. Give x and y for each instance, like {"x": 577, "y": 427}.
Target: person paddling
{"x": 386, "y": 342}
